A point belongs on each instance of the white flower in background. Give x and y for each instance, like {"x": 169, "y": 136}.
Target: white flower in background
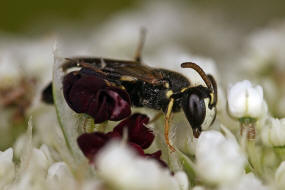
{"x": 247, "y": 182}
{"x": 273, "y": 132}
{"x": 219, "y": 158}
{"x": 265, "y": 48}
{"x": 58, "y": 171}
{"x": 171, "y": 57}
{"x": 59, "y": 176}
{"x": 280, "y": 176}
{"x": 30, "y": 59}
{"x": 41, "y": 158}
{"x": 9, "y": 73}
{"x": 246, "y": 101}
{"x": 199, "y": 188}
{"x": 7, "y": 167}
{"x": 121, "y": 168}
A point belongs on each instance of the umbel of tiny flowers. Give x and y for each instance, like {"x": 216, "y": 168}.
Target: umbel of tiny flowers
{"x": 245, "y": 103}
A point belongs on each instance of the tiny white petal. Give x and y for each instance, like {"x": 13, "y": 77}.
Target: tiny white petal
{"x": 58, "y": 171}
{"x": 280, "y": 176}
{"x": 182, "y": 179}
{"x": 237, "y": 99}
{"x": 7, "y": 167}
{"x": 255, "y": 101}
{"x": 6, "y": 155}
{"x": 41, "y": 156}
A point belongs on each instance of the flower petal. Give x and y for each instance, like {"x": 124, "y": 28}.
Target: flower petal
{"x": 137, "y": 132}
{"x": 91, "y": 143}
{"x": 118, "y": 103}
{"x": 90, "y": 94}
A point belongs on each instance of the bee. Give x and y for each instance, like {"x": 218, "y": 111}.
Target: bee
{"x": 156, "y": 88}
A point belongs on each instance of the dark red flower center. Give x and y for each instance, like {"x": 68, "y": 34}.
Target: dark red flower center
{"x": 139, "y": 138}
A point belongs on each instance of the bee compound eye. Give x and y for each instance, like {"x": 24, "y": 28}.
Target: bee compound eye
{"x": 195, "y": 110}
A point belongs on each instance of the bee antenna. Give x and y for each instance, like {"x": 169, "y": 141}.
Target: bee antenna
{"x": 208, "y": 79}
{"x": 200, "y": 71}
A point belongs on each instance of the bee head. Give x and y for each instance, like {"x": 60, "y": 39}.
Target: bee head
{"x": 197, "y": 108}
{"x": 199, "y": 103}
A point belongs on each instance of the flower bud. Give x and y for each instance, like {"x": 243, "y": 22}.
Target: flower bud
{"x": 273, "y": 132}
{"x": 244, "y": 100}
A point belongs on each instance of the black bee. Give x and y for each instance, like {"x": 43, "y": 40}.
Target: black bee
{"x": 156, "y": 88}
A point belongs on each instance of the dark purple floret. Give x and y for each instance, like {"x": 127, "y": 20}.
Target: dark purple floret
{"x": 91, "y": 143}
{"x": 156, "y": 155}
{"x": 137, "y": 132}
{"x": 91, "y": 95}
{"x": 139, "y": 138}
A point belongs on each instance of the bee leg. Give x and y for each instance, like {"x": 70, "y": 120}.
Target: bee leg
{"x": 156, "y": 117}
{"x": 166, "y": 125}
{"x": 140, "y": 45}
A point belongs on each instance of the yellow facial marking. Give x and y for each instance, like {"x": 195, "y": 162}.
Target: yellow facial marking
{"x": 166, "y": 85}
{"x": 169, "y": 93}
{"x": 212, "y": 98}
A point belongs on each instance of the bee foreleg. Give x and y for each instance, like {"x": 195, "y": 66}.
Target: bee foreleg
{"x": 166, "y": 125}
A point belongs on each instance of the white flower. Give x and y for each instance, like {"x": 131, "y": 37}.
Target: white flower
{"x": 280, "y": 176}
{"x": 265, "y": 47}
{"x": 244, "y": 100}
{"x": 246, "y": 182}
{"x": 9, "y": 72}
{"x": 40, "y": 159}
{"x": 121, "y": 168}
{"x": 58, "y": 171}
{"x": 273, "y": 132}
{"x": 59, "y": 175}
{"x": 7, "y": 167}
{"x": 198, "y": 188}
{"x": 219, "y": 159}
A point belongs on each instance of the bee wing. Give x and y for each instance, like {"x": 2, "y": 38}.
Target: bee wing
{"x": 118, "y": 69}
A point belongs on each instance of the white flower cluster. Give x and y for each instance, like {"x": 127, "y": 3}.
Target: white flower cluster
{"x": 122, "y": 168}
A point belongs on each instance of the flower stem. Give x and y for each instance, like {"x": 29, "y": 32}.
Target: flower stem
{"x": 248, "y": 128}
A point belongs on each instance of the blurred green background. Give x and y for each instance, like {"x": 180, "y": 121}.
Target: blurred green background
{"x": 35, "y": 17}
